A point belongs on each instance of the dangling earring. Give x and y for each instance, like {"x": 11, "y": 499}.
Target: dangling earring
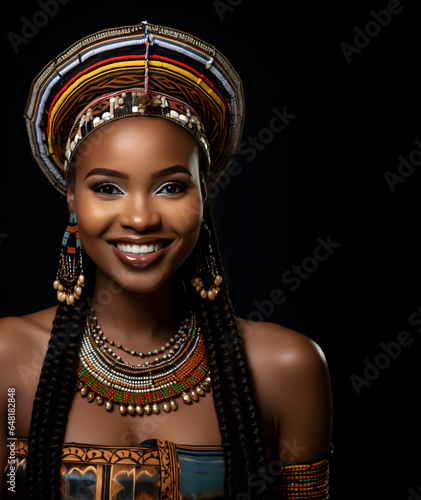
{"x": 206, "y": 279}
{"x": 69, "y": 279}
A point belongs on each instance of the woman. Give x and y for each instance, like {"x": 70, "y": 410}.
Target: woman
{"x": 179, "y": 396}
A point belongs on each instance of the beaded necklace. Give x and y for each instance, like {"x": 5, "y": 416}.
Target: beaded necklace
{"x": 174, "y": 343}
{"x": 144, "y": 388}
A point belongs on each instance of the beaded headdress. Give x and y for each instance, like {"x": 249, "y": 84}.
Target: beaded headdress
{"x": 140, "y": 70}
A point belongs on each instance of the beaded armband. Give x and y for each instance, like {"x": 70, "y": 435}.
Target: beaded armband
{"x": 304, "y": 481}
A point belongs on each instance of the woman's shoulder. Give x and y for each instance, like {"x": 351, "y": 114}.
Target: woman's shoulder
{"x": 279, "y": 347}
{"x": 22, "y": 336}
{"x": 286, "y": 366}
{"x": 16, "y": 328}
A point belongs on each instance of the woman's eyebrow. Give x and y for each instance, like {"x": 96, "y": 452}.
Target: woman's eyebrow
{"x": 107, "y": 172}
{"x": 121, "y": 175}
{"x": 170, "y": 170}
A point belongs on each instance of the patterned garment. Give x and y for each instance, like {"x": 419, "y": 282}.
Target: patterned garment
{"x": 161, "y": 470}
{"x": 153, "y": 470}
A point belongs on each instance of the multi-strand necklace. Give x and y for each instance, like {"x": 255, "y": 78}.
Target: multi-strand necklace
{"x": 143, "y": 389}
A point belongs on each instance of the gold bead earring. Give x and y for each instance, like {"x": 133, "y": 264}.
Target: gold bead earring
{"x": 206, "y": 279}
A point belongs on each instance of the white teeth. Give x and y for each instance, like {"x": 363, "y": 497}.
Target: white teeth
{"x": 139, "y": 249}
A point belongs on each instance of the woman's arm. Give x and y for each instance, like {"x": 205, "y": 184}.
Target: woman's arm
{"x": 293, "y": 390}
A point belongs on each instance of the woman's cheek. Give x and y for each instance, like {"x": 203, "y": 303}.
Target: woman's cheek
{"x": 188, "y": 214}
{"x": 92, "y": 220}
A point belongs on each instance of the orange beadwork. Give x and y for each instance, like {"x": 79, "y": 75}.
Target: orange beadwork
{"x": 304, "y": 481}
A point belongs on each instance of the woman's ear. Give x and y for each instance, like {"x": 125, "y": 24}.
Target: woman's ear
{"x": 71, "y": 197}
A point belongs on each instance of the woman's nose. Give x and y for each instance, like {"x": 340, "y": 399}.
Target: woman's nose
{"x": 139, "y": 214}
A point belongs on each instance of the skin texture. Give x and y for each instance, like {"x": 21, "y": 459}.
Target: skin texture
{"x": 139, "y": 197}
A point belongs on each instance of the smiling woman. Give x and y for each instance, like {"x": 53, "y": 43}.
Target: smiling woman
{"x": 151, "y": 387}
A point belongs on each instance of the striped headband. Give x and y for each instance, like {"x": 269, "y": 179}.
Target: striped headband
{"x": 140, "y": 70}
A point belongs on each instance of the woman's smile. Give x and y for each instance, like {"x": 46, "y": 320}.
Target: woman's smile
{"x": 140, "y": 253}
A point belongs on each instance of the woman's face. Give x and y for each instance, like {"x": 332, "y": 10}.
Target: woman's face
{"x": 137, "y": 197}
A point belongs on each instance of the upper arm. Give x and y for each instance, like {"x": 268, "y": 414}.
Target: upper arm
{"x": 292, "y": 386}
{"x": 303, "y": 406}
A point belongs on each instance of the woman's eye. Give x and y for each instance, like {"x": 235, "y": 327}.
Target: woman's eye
{"x": 171, "y": 188}
{"x": 107, "y": 189}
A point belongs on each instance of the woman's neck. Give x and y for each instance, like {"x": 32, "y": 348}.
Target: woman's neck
{"x": 129, "y": 317}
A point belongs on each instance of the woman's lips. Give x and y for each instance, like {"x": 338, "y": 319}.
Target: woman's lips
{"x": 140, "y": 254}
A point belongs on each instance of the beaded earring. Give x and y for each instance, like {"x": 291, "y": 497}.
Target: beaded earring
{"x": 70, "y": 279}
{"x": 206, "y": 279}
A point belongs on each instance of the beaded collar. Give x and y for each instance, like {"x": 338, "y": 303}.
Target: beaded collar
{"x": 146, "y": 388}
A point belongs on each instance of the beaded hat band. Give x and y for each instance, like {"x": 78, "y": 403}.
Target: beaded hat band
{"x": 134, "y": 102}
{"x": 190, "y": 77}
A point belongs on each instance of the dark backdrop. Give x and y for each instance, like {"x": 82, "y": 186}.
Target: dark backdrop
{"x": 343, "y": 173}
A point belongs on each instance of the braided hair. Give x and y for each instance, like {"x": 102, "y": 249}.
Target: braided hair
{"x": 234, "y": 400}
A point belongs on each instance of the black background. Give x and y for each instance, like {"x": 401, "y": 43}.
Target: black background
{"x": 323, "y": 176}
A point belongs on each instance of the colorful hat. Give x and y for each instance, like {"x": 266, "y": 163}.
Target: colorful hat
{"x": 135, "y": 70}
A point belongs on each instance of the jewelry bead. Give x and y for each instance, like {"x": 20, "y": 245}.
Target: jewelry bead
{"x": 186, "y": 398}
{"x": 108, "y": 406}
{"x": 139, "y": 410}
{"x": 194, "y": 395}
{"x": 99, "y": 400}
{"x": 91, "y": 396}
{"x": 122, "y": 409}
{"x": 166, "y": 406}
{"x": 84, "y": 391}
{"x": 131, "y": 409}
{"x": 218, "y": 279}
{"x": 147, "y": 409}
{"x": 155, "y": 408}
{"x": 195, "y": 281}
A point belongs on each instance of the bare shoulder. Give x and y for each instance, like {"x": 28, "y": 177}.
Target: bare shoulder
{"x": 17, "y": 329}
{"x": 280, "y": 348}
{"x": 23, "y": 336}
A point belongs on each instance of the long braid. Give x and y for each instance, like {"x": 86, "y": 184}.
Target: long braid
{"x": 52, "y": 403}
{"x": 233, "y": 394}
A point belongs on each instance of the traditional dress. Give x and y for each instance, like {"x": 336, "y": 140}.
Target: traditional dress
{"x": 157, "y": 469}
